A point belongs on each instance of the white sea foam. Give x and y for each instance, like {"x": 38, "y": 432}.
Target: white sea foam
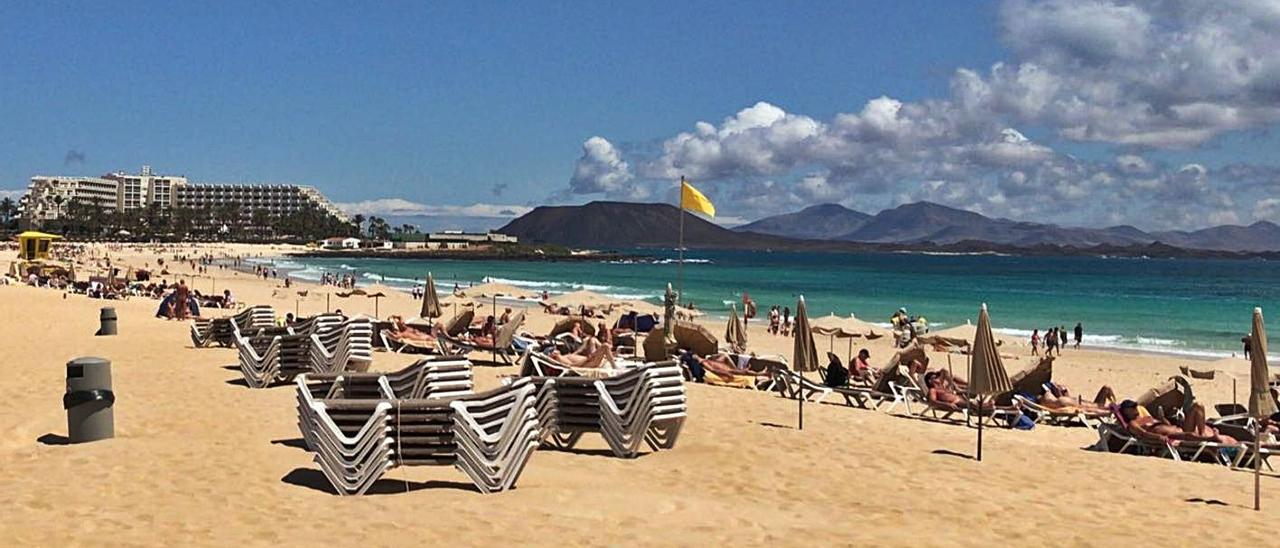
{"x": 1123, "y": 342}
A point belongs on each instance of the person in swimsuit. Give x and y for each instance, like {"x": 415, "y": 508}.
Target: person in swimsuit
{"x": 1194, "y": 428}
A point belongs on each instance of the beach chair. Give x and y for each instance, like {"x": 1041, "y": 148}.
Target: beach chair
{"x": 394, "y": 343}
{"x": 1248, "y": 451}
{"x": 645, "y": 405}
{"x": 264, "y": 360}
{"x": 1232, "y": 413}
{"x": 914, "y": 388}
{"x": 346, "y": 346}
{"x": 1059, "y": 417}
{"x": 794, "y": 385}
{"x": 503, "y": 346}
{"x": 442, "y": 377}
{"x": 1114, "y": 436}
{"x": 221, "y": 331}
{"x": 489, "y": 437}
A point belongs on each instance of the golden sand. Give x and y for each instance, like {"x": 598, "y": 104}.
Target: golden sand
{"x": 201, "y": 459}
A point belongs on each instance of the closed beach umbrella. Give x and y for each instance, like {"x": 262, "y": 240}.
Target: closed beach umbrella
{"x": 1261, "y": 404}
{"x": 734, "y": 333}
{"x": 805, "y": 355}
{"x": 987, "y": 374}
{"x": 430, "y": 301}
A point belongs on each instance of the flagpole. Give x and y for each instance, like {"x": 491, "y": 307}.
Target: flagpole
{"x": 680, "y": 248}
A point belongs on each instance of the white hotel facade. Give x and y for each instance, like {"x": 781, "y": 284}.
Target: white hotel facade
{"x": 47, "y": 197}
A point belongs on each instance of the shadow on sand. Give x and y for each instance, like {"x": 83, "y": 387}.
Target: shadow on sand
{"x": 315, "y": 479}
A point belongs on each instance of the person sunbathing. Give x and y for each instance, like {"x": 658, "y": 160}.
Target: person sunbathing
{"x": 951, "y": 382}
{"x": 405, "y": 332}
{"x": 939, "y": 392}
{"x": 1060, "y": 398}
{"x": 723, "y": 364}
{"x": 488, "y": 333}
{"x": 1194, "y": 428}
{"x": 595, "y": 360}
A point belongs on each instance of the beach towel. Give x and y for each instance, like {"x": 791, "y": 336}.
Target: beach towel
{"x": 735, "y": 381}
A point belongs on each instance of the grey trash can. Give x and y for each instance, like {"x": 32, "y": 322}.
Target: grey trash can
{"x": 89, "y": 400}
{"x": 106, "y": 321}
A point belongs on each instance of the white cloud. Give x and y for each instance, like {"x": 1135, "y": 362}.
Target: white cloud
{"x": 1267, "y": 209}
{"x": 1133, "y": 74}
{"x": 12, "y": 194}
{"x": 399, "y": 206}
{"x": 600, "y": 169}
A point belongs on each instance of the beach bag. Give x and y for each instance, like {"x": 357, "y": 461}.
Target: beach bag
{"x": 837, "y": 375}
{"x": 1023, "y": 422}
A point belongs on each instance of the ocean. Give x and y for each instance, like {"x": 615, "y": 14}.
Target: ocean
{"x": 1198, "y": 308}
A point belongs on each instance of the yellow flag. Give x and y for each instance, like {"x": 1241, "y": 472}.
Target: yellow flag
{"x": 693, "y": 200}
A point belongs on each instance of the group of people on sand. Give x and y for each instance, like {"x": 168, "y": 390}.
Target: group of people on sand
{"x": 1055, "y": 339}
{"x": 780, "y": 321}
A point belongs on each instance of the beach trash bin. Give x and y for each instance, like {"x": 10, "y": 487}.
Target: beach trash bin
{"x": 106, "y": 321}
{"x": 89, "y": 400}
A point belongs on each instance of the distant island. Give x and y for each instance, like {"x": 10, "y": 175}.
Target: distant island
{"x": 916, "y": 227}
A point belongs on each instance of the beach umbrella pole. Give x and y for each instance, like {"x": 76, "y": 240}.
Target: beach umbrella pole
{"x": 800, "y": 397}
{"x": 1257, "y": 468}
{"x": 979, "y": 428}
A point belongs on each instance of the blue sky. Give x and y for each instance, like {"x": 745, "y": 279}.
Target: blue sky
{"x": 492, "y": 104}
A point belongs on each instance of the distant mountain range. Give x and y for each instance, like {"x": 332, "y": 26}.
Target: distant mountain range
{"x": 927, "y": 222}
{"x": 921, "y": 226}
{"x": 817, "y": 222}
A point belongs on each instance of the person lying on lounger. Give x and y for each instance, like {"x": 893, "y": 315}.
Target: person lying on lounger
{"x": 722, "y": 364}
{"x": 1193, "y": 427}
{"x": 596, "y": 359}
{"x": 951, "y": 382}
{"x": 939, "y": 391}
{"x": 1059, "y": 397}
{"x": 405, "y": 332}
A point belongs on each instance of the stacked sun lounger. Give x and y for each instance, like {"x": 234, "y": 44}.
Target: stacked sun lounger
{"x": 442, "y": 377}
{"x": 643, "y": 405}
{"x": 489, "y": 436}
{"x": 221, "y": 331}
{"x": 268, "y": 357}
{"x": 346, "y": 346}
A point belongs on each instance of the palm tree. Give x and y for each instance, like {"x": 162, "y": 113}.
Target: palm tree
{"x": 261, "y": 220}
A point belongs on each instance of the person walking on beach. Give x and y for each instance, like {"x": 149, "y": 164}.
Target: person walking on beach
{"x": 1079, "y": 333}
{"x": 180, "y": 297}
{"x": 1035, "y": 342}
{"x": 1050, "y": 341}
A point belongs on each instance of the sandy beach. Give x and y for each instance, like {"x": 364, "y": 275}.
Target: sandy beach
{"x": 200, "y": 458}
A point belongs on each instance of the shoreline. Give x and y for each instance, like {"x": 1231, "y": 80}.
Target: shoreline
{"x": 710, "y": 319}
{"x": 464, "y": 255}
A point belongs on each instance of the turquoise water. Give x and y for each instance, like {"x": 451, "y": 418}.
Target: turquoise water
{"x": 1193, "y": 307}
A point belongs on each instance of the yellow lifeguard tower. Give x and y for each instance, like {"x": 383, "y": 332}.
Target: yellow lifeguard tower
{"x": 34, "y": 246}
{"x": 34, "y": 255}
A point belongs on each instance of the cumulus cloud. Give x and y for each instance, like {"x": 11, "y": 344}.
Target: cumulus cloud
{"x": 1153, "y": 73}
{"x": 1132, "y": 75}
{"x": 600, "y": 169}
{"x": 399, "y": 206}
